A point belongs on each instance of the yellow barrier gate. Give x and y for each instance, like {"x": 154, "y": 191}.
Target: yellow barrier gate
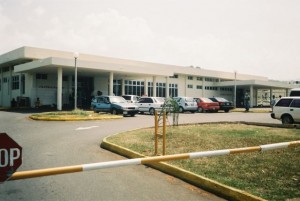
{"x": 148, "y": 160}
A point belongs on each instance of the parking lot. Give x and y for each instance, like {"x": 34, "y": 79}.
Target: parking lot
{"x": 54, "y": 144}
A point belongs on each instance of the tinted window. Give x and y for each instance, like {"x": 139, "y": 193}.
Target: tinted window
{"x": 296, "y": 103}
{"x": 145, "y": 100}
{"x": 127, "y": 97}
{"x": 284, "y": 102}
{"x": 295, "y": 93}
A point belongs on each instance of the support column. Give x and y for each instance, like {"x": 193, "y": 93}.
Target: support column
{"x": 154, "y": 86}
{"x": 111, "y": 84}
{"x": 123, "y": 87}
{"x": 59, "y": 88}
{"x": 167, "y": 87}
{"x": 271, "y": 94}
{"x": 146, "y": 88}
{"x": 251, "y": 96}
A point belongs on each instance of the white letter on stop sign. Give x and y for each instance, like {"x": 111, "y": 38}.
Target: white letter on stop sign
{"x": 10, "y": 156}
{"x": 3, "y": 157}
{"x": 14, "y": 155}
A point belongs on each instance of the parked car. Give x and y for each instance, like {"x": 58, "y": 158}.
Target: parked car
{"x": 287, "y": 109}
{"x": 150, "y": 104}
{"x": 224, "y": 103}
{"x": 205, "y": 104}
{"x": 186, "y": 104}
{"x": 114, "y": 105}
{"x": 131, "y": 98}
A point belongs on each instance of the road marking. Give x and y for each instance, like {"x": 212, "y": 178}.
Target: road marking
{"x": 85, "y": 128}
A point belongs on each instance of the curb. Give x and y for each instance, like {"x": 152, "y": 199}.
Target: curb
{"x": 212, "y": 186}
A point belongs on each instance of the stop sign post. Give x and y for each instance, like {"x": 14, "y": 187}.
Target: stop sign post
{"x": 10, "y": 157}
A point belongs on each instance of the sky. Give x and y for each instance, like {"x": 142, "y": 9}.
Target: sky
{"x": 257, "y": 37}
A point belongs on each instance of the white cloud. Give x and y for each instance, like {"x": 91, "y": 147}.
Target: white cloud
{"x": 258, "y": 44}
{"x": 39, "y": 11}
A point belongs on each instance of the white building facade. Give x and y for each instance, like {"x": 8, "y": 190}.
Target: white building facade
{"x": 28, "y": 73}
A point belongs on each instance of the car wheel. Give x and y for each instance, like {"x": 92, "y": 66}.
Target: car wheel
{"x": 151, "y": 111}
{"x": 114, "y": 111}
{"x": 226, "y": 110}
{"x": 132, "y": 115}
{"x": 200, "y": 109}
{"x": 287, "y": 119}
{"x": 181, "y": 110}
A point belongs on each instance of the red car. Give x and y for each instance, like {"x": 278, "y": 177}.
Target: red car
{"x": 205, "y": 104}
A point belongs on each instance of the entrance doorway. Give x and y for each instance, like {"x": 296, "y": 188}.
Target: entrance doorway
{"x": 239, "y": 97}
{"x": 85, "y": 88}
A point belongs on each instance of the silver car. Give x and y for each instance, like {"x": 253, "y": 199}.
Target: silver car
{"x": 186, "y": 104}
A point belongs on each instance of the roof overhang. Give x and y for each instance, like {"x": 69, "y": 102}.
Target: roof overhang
{"x": 50, "y": 65}
{"x": 256, "y": 83}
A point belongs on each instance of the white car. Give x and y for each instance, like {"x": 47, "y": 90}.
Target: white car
{"x": 150, "y": 104}
{"x": 131, "y": 98}
{"x": 287, "y": 109}
{"x": 186, "y": 104}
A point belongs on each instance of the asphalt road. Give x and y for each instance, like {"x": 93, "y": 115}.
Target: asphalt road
{"x": 55, "y": 144}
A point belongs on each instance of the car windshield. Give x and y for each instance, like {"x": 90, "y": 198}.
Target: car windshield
{"x": 189, "y": 99}
{"x": 117, "y": 99}
{"x": 206, "y": 100}
{"x": 221, "y": 99}
{"x": 160, "y": 100}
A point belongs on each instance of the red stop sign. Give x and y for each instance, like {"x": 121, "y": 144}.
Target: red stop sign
{"x": 10, "y": 156}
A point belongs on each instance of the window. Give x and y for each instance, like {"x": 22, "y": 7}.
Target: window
{"x": 296, "y": 103}
{"x": 173, "y": 90}
{"x": 284, "y": 102}
{"x": 174, "y": 76}
{"x": 0, "y": 84}
{"x": 190, "y": 86}
{"x": 5, "y": 80}
{"x": 209, "y": 79}
{"x": 41, "y": 76}
{"x": 65, "y": 78}
{"x": 161, "y": 89}
{"x": 146, "y": 100}
{"x": 15, "y": 82}
{"x": 225, "y": 89}
{"x": 199, "y": 87}
{"x": 190, "y": 77}
{"x": 5, "y": 69}
{"x": 199, "y": 78}
{"x": 117, "y": 87}
{"x": 134, "y": 87}
{"x": 211, "y": 88}
{"x": 23, "y": 84}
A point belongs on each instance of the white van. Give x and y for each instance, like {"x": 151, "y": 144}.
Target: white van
{"x": 295, "y": 92}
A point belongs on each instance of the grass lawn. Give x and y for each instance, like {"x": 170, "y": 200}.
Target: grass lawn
{"x": 272, "y": 175}
{"x": 74, "y": 115}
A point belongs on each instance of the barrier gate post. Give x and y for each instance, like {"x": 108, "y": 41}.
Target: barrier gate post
{"x": 156, "y": 133}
